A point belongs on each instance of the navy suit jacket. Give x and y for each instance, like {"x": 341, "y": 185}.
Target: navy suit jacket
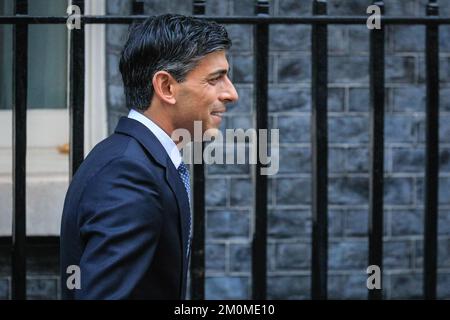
{"x": 125, "y": 222}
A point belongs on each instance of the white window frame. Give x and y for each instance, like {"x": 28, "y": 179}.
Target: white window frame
{"x": 48, "y": 129}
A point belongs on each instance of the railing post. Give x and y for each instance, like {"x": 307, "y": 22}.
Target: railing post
{"x": 319, "y": 137}
{"x": 259, "y": 244}
{"x": 138, "y": 7}
{"x": 197, "y": 272}
{"x": 376, "y": 71}
{"x": 76, "y": 92}
{"x": 19, "y": 144}
{"x": 199, "y": 7}
{"x": 432, "y": 154}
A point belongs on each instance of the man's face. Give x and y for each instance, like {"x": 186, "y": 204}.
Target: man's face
{"x": 204, "y": 94}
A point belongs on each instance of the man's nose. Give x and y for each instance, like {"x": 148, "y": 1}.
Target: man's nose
{"x": 229, "y": 93}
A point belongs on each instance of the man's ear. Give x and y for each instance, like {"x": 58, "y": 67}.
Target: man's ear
{"x": 164, "y": 86}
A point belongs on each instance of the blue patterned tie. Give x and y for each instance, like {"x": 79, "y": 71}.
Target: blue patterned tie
{"x": 184, "y": 175}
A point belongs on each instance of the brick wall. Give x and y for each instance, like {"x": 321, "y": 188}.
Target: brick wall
{"x": 229, "y": 199}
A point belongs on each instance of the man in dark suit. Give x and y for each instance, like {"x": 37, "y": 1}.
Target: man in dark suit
{"x": 126, "y": 226}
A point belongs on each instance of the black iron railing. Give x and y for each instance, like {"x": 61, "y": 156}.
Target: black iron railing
{"x": 319, "y": 57}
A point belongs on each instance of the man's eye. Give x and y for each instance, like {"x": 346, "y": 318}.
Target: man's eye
{"x": 214, "y": 79}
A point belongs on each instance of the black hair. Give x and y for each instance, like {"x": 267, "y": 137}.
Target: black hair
{"x": 169, "y": 42}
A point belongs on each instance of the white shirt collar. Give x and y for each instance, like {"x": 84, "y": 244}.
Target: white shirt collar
{"x": 163, "y": 137}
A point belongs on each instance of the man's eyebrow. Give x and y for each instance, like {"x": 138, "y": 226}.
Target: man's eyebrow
{"x": 219, "y": 72}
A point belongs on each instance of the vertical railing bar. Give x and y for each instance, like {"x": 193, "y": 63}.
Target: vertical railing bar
{"x": 432, "y": 155}
{"x": 76, "y": 93}
{"x": 19, "y": 145}
{"x": 138, "y": 7}
{"x": 197, "y": 271}
{"x": 259, "y": 243}
{"x": 376, "y": 70}
{"x": 319, "y": 137}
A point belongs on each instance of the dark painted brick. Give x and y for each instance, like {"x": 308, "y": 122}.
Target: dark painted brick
{"x": 443, "y": 286}
{"x": 293, "y": 8}
{"x": 348, "y": 190}
{"x": 295, "y": 159}
{"x": 294, "y": 129}
{"x": 336, "y": 160}
{"x": 240, "y": 257}
{"x": 42, "y": 288}
{"x": 216, "y": 192}
{"x": 289, "y": 99}
{"x": 359, "y": 99}
{"x": 289, "y": 223}
{"x": 116, "y": 35}
{"x": 400, "y": 69}
{"x": 401, "y": 8}
{"x": 294, "y": 69}
{"x": 293, "y": 191}
{"x": 409, "y": 38}
{"x": 348, "y": 129}
{"x": 347, "y": 255}
{"x": 349, "y": 7}
{"x": 406, "y": 222}
{"x": 293, "y": 256}
{"x": 116, "y": 98}
{"x": 244, "y": 103}
{"x": 336, "y": 99}
{"x": 443, "y": 254}
{"x": 402, "y": 128}
{"x": 397, "y": 254}
{"x": 358, "y": 38}
{"x": 215, "y": 257}
{"x": 444, "y": 129}
{"x": 241, "y": 192}
{"x": 406, "y": 286}
{"x": 347, "y": 286}
{"x": 247, "y": 8}
{"x": 295, "y": 37}
{"x": 242, "y": 68}
{"x": 335, "y": 223}
{"x": 411, "y": 98}
{"x": 240, "y": 122}
{"x": 444, "y": 222}
{"x": 408, "y": 160}
{"x": 337, "y": 39}
{"x": 357, "y": 160}
{"x": 345, "y": 69}
{"x": 216, "y": 7}
{"x": 398, "y": 191}
{"x": 241, "y": 37}
{"x": 288, "y": 287}
{"x": 227, "y": 224}
{"x": 118, "y": 7}
{"x": 356, "y": 223}
{"x": 226, "y": 288}
{"x": 444, "y": 99}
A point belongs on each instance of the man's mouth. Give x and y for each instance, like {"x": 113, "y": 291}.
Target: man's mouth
{"x": 218, "y": 113}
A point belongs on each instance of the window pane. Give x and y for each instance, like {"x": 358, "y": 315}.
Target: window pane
{"x": 47, "y": 57}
